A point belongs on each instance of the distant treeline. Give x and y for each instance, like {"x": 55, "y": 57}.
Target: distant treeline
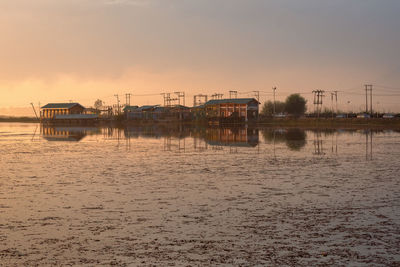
{"x": 330, "y": 122}
{"x": 17, "y": 119}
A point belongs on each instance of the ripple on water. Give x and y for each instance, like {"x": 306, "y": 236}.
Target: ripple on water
{"x": 97, "y": 202}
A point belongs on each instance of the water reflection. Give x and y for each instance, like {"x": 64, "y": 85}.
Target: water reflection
{"x": 75, "y": 134}
{"x": 294, "y": 138}
{"x": 180, "y": 138}
{"x": 368, "y": 145}
{"x": 237, "y": 137}
{"x": 202, "y": 136}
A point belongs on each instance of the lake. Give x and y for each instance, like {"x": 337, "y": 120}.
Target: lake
{"x": 178, "y": 195}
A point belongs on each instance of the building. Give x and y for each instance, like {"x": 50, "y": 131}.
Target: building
{"x": 140, "y": 113}
{"x": 50, "y": 110}
{"x": 235, "y": 110}
{"x": 70, "y": 113}
{"x": 198, "y": 112}
{"x": 179, "y": 113}
{"x": 157, "y": 113}
{"x": 129, "y": 110}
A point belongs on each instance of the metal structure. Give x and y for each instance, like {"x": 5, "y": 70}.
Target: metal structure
{"x": 273, "y": 91}
{"x": 118, "y": 107}
{"x": 257, "y": 95}
{"x": 181, "y": 95}
{"x": 168, "y": 100}
{"x": 334, "y": 97}
{"x": 216, "y": 96}
{"x": 199, "y": 100}
{"x": 318, "y": 95}
{"x": 128, "y": 99}
{"x": 233, "y": 94}
{"x": 368, "y": 88}
{"x": 34, "y": 110}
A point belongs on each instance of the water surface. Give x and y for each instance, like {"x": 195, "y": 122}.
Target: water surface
{"x": 156, "y": 195}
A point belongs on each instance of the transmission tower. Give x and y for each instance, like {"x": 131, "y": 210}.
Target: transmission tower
{"x": 216, "y": 96}
{"x": 199, "y": 100}
{"x": 128, "y": 99}
{"x": 181, "y": 95}
{"x": 368, "y": 88}
{"x": 273, "y": 90}
{"x": 257, "y": 95}
{"x": 334, "y": 97}
{"x": 118, "y": 108}
{"x": 318, "y": 95}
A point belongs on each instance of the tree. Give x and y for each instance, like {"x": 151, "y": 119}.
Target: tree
{"x": 268, "y": 108}
{"x": 295, "y": 105}
{"x": 98, "y": 104}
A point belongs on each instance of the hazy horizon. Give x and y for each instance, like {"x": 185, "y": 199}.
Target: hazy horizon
{"x": 87, "y": 50}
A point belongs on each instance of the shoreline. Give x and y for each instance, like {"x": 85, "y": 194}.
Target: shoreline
{"x": 392, "y": 123}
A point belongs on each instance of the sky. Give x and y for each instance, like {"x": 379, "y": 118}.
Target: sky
{"x": 83, "y": 50}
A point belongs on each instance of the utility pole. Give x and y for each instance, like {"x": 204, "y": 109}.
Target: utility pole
{"x": 334, "y": 96}
{"x": 199, "y": 100}
{"x": 128, "y": 99}
{"x": 318, "y": 95}
{"x": 232, "y": 93}
{"x": 370, "y": 94}
{"x": 257, "y": 95}
{"x": 337, "y": 110}
{"x": 368, "y": 88}
{"x": 168, "y": 99}
{"x": 163, "y": 94}
{"x": 35, "y": 111}
{"x": 366, "y": 98}
{"x": 180, "y": 95}
{"x": 217, "y": 96}
{"x": 117, "y": 96}
{"x": 273, "y": 91}
{"x": 40, "y": 113}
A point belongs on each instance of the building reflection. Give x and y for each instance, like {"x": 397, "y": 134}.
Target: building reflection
{"x": 74, "y": 134}
{"x": 232, "y": 137}
{"x": 203, "y": 138}
{"x": 183, "y": 138}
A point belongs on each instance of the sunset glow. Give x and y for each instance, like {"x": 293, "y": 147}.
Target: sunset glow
{"x": 85, "y": 50}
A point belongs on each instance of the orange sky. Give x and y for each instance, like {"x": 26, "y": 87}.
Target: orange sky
{"x": 56, "y": 51}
